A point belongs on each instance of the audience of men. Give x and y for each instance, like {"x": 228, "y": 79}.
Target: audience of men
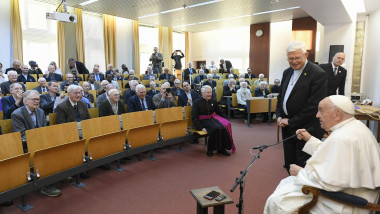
{"x": 188, "y": 72}
{"x": 276, "y": 87}
{"x": 347, "y": 160}
{"x": 164, "y": 99}
{"x": 151, "y": 79}
{"x": 112, "y": 106}
{"x": 103, "y": 97}
{"x": 165, "y": 75}
{"x": 69, "y": 81}
{"x": 14, "y": 101}
{"x": 152, "y": 90}
{"x": 15, "y": 67}
{"x": 214, "y": 74}
{"x": 249, "y": 74}
{"x": 103, "y": 84}
{"x": 177, "y": 90}
{"x": 86, "y": 94}
{"x": 230, "y": 76}
{"x": 232, "y": 70}
{"x": 98, "y": 76}
{"x": 48, "y": 99}
{"x": 42, "y": 86}
{"x": 84, "y": 99}
{"x": 336, "y": 74}
{"x": 131, "y": 92}
{"x": 149, "y": 73}
{"x": 93, "y": 84}
{"x": 188, "y": 97}
{"x": 261, "y": 79}
{"x": 25, "y": 76}
{"x": 131, "y": 76}
{"x": 77, "y": 78}
{"x": 141, "y": 101}
{"x": 52, "y": 75}
{"x": 199, "y": 78}
{"x": 12, "y": 78}
{"x": 110, "y": 80}
{"x": 30, "y": 116}
{"x": 78, "y": 65}
{"x": 262, "y": 90}
{"x": 56, "y": 69}
{"x": 210, "y": 81}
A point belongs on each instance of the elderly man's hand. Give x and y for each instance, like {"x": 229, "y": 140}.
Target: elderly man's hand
{"x": 294, "y": 169}
{"x": 302, "y": 134}
{"x": 282, "y": 122}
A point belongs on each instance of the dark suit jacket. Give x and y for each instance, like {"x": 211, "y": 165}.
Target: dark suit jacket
{"x": 90, "y": 97}
{"x": 174, "y": 91}
{"x": 182, "y": 99}
{"x": 105, "y": 109}
{"x": 39, "y": 89}
{"x": 157, "y": 59}
{"x": 275, "y": 89}
{"x": 127, "y": 94}
{"x": 150, "y": 92}
{"x": 8, "y": 104}
{"x": 303, "y": 101}
{"x": 22, "y": 79}
{"x": 96, "y": 85}
{"x": 228, "y": 66}
{"x": 259, "y": 92}
{"x": 335, "y": 82}
{"x": 226, "y": 92}
{"x": 212, "y": 84}
{"x": 81, "y": 68}
{"x": 186, "y": 73}
{"x": 5, "y": 87}
{"x": 46, "y": 103}
{"x": 19, "y": 71}
{"x": 249, "y": 76}
{"x": 57, "y": 77}
{"x": 235, "y": 76}
{"x": 101, "y": 77}
{"x": 65, "y": 112}
{"x": 22, "y": 121}
{"x": 134, "y": 103}
{"x": 62, "y": 86}
{"x": 162, "y": 76}
{"x": 198, "y": 79}
{"x": 177, "y": 60}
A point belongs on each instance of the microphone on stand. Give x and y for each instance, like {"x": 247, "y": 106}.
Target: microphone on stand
{"x": 262, "y": 147}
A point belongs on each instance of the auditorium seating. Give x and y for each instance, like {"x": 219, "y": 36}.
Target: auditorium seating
{"x": 261, "y": 105}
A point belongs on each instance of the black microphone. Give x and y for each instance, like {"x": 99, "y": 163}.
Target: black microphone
{"x": 266, "y": 146}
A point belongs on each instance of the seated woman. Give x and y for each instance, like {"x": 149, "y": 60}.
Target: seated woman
{"x": 242, "y": 95}
{"x": 207, "y": 116}
{"x": 113, "y": 105}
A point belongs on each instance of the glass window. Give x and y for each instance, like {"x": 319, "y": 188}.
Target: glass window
{"x": 148, "y": 38}
{"x": 179, "y": 44}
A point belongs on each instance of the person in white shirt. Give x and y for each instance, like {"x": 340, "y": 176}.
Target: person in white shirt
{"x": 242, "y": 95}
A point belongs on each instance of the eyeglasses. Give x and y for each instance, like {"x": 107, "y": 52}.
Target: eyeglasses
{"x": 35, "y": 99}
{"x": 297, "y": 59}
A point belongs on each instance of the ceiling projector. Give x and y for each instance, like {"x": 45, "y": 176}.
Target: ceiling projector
{"x": 62, "y": 17}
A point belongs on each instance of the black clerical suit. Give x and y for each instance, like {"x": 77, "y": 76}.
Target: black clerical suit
{"x": 335, "y": 81}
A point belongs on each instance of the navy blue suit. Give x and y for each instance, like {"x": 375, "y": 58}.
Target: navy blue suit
{"x": 182, "y": 99}
{"x": 127, "y": 94}
{"x": 9, "y": 106}
{"x": 28, "y": 78}
{"x": 259, "y": 92}
{"x": 134, "y": 103}
{"x": 150, "y": 92}
{"x": 174, "y": 91}
{"x": 46, "y": 103}
{"x": 101, "y": 77}
{"x": 56, "y": 77}
{"x": 39, "y": 89}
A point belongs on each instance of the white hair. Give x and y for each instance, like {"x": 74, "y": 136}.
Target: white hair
{"x": 295, "y": 46}
{"x": 231, "y": 80}
{"x": 132, "y": 82}
{"x": 241, "y": 80}
{"x": 72, "y": 87}
{"x": 166, "y": 84}
{"x": 112, "y": 92}
{"x": 177, "y": 81}
{"x": 14, "y": 84}
{"x": 230, "y": 76}
{"x": 201, "y": 71}
{"x": 104, "y": 82}
{"x": 261, "y": 75}
{"x": 87, "y": 83}
{"x": 131, "y": 71}
{"x": 41, "y": 79}
{"x": 209, "y": 75}
{"x": 241, "y": 75}
{"x": 12, "y": 72}
{"x": 263, "y": 83}
{"x": 29, "y": 92}
{"x": 203, "y": 89}
{"x": 110, "y": 86}
{"x": 243, "y": 83}
{"x": 139, "y": 86}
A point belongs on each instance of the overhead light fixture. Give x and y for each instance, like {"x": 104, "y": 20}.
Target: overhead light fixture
{"x": 180, "y": 8}
{"x": 237, "y": 17}
{"x": 88, "y": 2}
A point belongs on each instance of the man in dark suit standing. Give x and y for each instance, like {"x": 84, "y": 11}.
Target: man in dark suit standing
{"x": 140, "y": 101}
{"x": 12, "y": 102}
{"x": 304, "y": 85}
{"x": 336, "y": 74}
{"x": 79, "y": 65}
{"x": 24, "y": 76}
{"x": 187, "y": 98}
{"x": 73, "y": 109}
{"x": 225, "y": 66}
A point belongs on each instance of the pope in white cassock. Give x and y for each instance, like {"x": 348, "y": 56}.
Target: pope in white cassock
{"x": 348, "y": 160}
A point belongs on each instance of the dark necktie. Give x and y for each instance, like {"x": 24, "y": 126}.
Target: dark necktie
{"x": 142, "y": 104}
{"x": 77, "y": 116}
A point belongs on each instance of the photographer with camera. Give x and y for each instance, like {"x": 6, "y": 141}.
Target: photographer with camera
{"x": 156, "y": 59}
{"x": 165, "y": 99}
{"x": 177, "y": 55}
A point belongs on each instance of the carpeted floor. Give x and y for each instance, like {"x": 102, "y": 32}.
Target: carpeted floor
{"x": 163, "y": 186}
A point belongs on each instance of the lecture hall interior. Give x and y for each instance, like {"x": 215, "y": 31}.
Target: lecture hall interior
{"x": 158, "y": 159}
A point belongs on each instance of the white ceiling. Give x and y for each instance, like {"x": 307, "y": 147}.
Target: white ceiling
{"x": 235, "y": 13}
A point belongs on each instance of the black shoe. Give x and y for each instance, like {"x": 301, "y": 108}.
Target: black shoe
{"x": 84, "y": 175}
{"x": 7, "y": 203}
{"x": 67, "y": 180}
{"x": 195, "y": 141}
{"x": 106, "y": 167}
{"x": 224, "y": 152}
{"x": 209, "y": 153}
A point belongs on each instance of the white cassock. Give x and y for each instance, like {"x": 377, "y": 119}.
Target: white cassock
{"x": 348, "y": 160}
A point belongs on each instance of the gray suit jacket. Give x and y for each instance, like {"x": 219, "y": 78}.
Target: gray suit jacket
{"x": 65, "y": 112}
{"x": 161, "y": 104}
{"x": 22, "y": 121}
{"x": 157, "y": 59}
{"x": 100, "y": 99}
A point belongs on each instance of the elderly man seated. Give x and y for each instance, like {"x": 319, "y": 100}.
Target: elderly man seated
{"x": 14, "y": 101}
{"x": 242, "y": 95}
{"x": 42, "y": 86}
{"x": 48, "y": 99}
{"x": 232, "y": 70}
{"x": 52, "y": 75}
{"x": 25, "y": 76}
{"x": 105, "y": 95}
{"x": 199, "y": 78}
{"x": 276, "y": 87}
{"x": 86, "y": 92}
{"x": 131, "y": 76}
{"x": 113, "y": 105}
{"x": 207, "y": 116}
{"x": 152, "y": 90}
{"x": 210, "y": 81}
{"x": 165, "y": 75}
{"x": 140, "y": 101}
{"x": 262, "y": 90}
{"x": 12, "y": 78}
{"x": 164, "y": 99}
{"x": 230, "y": 76}
{"x": 131, "y": 92}
{"x": 69, "y": 80}
{"x": 187, "y": 98}
{"x": 348, "y": 160}
{"x": 261, "y": 79}
{"x": 214, "y": 74}
{"x": 149, "y": 73}
{"x": 228, "y": 90}
{"x": 177, "y": 90}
